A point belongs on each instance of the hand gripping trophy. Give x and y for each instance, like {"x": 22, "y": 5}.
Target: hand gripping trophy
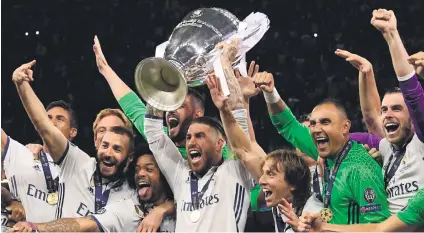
{"x": 189, "y": 55}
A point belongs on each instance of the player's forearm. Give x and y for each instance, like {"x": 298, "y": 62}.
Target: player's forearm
{"x": 398, "y": 53}
{"x": 85, "y": 224}
{"x": 370, "y": 102}
{"x": 52, "y": 136}
{"x": 236, "y": 136}
{"x": 276, "y": 108}
{"x": 326, "y": 227}
{"x": 166, "y": 209}
{"x": 236, "y": 97}
{"x": 118, "y": 87}
{"x": 249, "y": 121}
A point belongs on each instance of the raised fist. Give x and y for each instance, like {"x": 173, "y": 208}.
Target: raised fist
{"x": 417, "y": 60}
{"x": 265, "y": 81}
{"x": 384, "y": 20}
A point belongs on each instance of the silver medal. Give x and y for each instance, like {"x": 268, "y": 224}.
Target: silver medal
{"x": 195, "y": 216}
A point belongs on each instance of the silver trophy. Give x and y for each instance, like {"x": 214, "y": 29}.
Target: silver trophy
{"x": 189, "y": 55}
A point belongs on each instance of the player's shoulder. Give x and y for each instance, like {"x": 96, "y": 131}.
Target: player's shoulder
{"x": 415, "y": 144}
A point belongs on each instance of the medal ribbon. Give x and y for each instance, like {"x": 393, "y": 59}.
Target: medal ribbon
{"x": 51, "y": 184}
{"x": 195, "y": 195}
{"x": 390, "y": 171}
{"x": 342, "y": 155}
{"x": 100, "y": 198}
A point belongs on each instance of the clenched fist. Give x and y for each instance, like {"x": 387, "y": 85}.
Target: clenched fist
{"x": 384, "y": 20}
{"x": 265, "y": 81}
{"x": 417, "y": 60}
{"x": 229, "y": 49}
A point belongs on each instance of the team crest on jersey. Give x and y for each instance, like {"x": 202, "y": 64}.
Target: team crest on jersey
{"x": 369, "y": 195}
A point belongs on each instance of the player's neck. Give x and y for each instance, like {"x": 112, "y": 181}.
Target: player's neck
{"x": 339, "y": 151}
{"x": 162, "y": 199}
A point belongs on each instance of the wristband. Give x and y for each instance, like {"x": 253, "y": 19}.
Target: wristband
{"x": 273, "y": 97}
{"x": 241, "y": 117}
{"x": 406, "y": 77}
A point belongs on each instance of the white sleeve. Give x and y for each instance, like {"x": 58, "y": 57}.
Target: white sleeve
{"x": 237, "y": 169}
{"x": 72, "y": 161}
{"x": 15, "y": 156}
{"x": 119, "y": 216}
{"x": 167, "y": 155}
{"x": 313, "y": 205}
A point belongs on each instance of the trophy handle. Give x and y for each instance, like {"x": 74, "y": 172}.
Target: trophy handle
{"x": 160, "y": 83}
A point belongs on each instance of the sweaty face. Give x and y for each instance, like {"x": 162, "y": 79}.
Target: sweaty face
{"x": 105, "y": 124}
{"x": 203, "y": 149}
{"x": 179, "y": 120}
{"x": 61, "y": 119}
{"x": 397, "y": 124}
{"x": 274, "y": 185}
{"x": 329, "y": 128}
{"x": 147, "y": 178}
{"x": 112, "y": 154}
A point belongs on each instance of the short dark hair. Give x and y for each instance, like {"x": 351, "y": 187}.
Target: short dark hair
{"x": 392, "y": 90}
{"x": 296, "y": 173}
{"x": 337, "y": 103}
{"x": 62, "y": 104}
{"x": 304, "y": 117}
{"x": 127, "y": 132}
{"x": 197, "y": 96}
{"x": 212, "y": 122}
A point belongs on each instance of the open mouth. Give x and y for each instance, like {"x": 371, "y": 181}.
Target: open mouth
{"x": 143, "y": 187}
{"x": 321, "y": 142}
{"x": 267, "y": 193}
{"x": 195, "y": 155}
{"x": 108, "y": 163}
{"x": 173, "y": 122}
{"x": 391, "y": 127}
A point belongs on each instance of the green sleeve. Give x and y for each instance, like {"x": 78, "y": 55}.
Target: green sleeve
{"x": 368, "y": 192}
{"x": 413, "y": 213}
{"x": 135, "y": 110}
{"x": 294, "y": 132}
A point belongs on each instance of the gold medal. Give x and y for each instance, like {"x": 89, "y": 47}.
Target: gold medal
{"x": 52, "y": 198}
{"x": 326, "y": 214}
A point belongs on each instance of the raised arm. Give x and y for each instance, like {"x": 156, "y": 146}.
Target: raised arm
{"x": 368, "y": 94}
{"x": 282, "y": 118}
{"x": 163, "y": 148}
{"x": 238, "y": 139}
{"x": 52, "y": 137}
{"x": 130, "y": 103}
{"x": 386, "y": 22}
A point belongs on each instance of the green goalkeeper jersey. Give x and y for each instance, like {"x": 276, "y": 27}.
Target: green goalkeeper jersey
{"x": 413, "y": 213}
{"x": 135, "y": 110}
{"x": 358, "y": 194}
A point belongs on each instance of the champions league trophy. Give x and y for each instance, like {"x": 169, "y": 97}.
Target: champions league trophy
{"x": 189, "y": 55}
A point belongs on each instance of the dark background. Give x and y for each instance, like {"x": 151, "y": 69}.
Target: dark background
{"x": 305, "y": 68}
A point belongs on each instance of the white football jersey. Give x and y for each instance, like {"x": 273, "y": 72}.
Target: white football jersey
{"x": 27, "y": 181}
{"x": 125, "y": 216}
{"x": 224, "y": 205}
{"x": 408, "y": 178}
{"x": 76, "y": 185}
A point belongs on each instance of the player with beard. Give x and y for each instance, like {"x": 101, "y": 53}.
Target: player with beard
{"x": 401, "y": 117}
{"x": 347, "y": 164}
{"x": 123, "y": 215}
{"x": 85, "y": 186}
{"x": 211, "y": 193}
{"x": 409, "y": 219}
{"x": 177, "y": 121}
